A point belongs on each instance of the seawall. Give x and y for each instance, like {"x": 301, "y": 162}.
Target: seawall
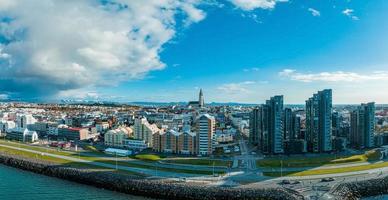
{"x": 360, "y": 189}
{"x": 159, "y": 189}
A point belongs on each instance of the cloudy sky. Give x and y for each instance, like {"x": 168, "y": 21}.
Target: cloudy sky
{"x": 165, "y": 50}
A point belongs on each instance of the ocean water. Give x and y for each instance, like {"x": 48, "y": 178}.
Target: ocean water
{"x": 17, "y": 184}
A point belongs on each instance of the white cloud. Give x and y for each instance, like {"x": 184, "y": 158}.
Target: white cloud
{"x": 338, "y": 76}
{"x": 240, "y": 87}
{"x": 79, "y": 94}
{"x": 314, "y": 12}
{"x": 66, "y": 45}
{"x": 71, "y": 44}
{"x": 249, "y": 5}
{"x": 194, "y": 14}
{"x": 350, "y": 13}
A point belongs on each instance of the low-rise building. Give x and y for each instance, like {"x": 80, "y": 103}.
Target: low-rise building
{"x": 73, "y": 133}
{"x": 134, "y": 144}
{"x": 116, "y": 137}
{"x": 143, "y": 130}
{"x": 187, "y": 143}
{"x": 175, "y": 142}
{"x": 6, "y": 126}
{"x": 118, "y": 152}
{"x": 102, "y": 126}
{"x": 23, "y": 135}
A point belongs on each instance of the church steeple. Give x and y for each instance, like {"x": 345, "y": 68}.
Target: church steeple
{"x": 201, "y": 100}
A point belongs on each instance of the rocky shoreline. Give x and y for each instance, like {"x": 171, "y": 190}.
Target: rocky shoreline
{"x": 133, "y": 185}
{"x": 362, "y": 189}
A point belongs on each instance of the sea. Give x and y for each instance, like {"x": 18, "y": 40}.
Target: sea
{"x": 24, "y": 185}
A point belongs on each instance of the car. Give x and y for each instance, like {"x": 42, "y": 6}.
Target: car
{"x": 285, "y": 182}
{"x": 327, "y": 179}
{"x": 295, "y": 182}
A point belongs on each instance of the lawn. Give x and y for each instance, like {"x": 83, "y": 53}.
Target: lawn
{"x": 199, "y": 161}
{"x": 104, "y": 160}
{"x": 148, "y": 157}
{"x": 25, "y": 154}
{"x": 317, "y": 161}
{"x": 50, "y": 159}
{"x": 328, "y": 171}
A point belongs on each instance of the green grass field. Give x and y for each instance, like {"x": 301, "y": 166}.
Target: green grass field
{"x": 317, "y": 161}
{"x": 98, "y": 159}
{"x": 148, "y": 157}
{"x": 328, "y": 171}
{"x": 200, "y": 161}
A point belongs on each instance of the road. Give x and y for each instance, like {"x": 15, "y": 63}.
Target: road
{"x": 160, "y": 163}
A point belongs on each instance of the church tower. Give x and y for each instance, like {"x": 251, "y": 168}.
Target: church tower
{"x": 201, "y": 100}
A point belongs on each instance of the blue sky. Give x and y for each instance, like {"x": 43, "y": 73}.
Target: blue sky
{"x": 239, "y": 54}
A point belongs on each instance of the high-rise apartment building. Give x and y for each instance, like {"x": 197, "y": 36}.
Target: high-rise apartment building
{"x": 362, "y": 126}
{"x": 255, "y": 126}
{"x": 205, "y": 134}
{"x": 336, "y": 124}
{"x": 291, "y": 124}
{"x": 275, "y": 124}
{"x": 266, "y": 126}
{"x": 319, "y": 122}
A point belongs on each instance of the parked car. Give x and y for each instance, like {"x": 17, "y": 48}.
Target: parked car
{"x": 285, "y": 182}
{"x": 327, "y": 179}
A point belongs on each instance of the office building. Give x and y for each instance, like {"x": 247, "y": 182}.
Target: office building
{"x": 24, "y": 135}
{"x": 74, "y": 134}
{"x": 24, "y": 120}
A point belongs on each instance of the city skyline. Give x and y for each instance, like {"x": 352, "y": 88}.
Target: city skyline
{"x": 194, "y": 99}
{"x": 267, "y": 48}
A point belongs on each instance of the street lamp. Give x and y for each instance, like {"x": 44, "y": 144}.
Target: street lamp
{"x": 116, "y": 161}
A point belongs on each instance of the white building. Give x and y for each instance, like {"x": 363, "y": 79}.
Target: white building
{"x": 135, "y": 144}
{"x": 30, "y": 136}
{"x": 118, "y": 152}
{"x": 205, "y": 134}
{"x": 23, "y": 120}
{"x": 6, "y": 126}
{"x": 115, "y": 138}
{"x": 143, "y": 130}
{"x": 101, "y": 127}
{"x": 23, "y": 136}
